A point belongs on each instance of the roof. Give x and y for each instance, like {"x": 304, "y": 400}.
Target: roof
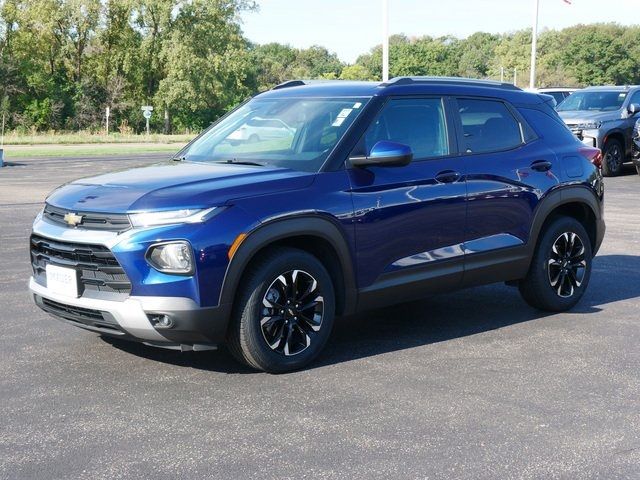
{"x": 557, "y": 89}
{"x": 401, "y": 86}
{"x": 613, "y": 88}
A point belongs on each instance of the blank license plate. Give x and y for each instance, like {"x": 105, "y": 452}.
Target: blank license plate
{"x": 62, "y": 280}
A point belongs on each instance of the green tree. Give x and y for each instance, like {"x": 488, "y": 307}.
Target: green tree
{"x": 206, "y": 60}
{"x": 477, "y": 53}
{"x": 355, "y": 72}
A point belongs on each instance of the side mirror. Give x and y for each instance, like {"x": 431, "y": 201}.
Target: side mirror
{"x": 633, "y": 109}
{"x": 385, "y": 154}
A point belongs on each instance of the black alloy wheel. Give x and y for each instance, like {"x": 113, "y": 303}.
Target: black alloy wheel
{"x": 292, "y": 313}
{"x": 284, "y": 311}
{"x": 567, "y": 264}
{"x": 561, "y": 266}
{"x": 613, "y": 159}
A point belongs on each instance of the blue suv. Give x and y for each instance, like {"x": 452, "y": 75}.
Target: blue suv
{"x": 318, "y": 200}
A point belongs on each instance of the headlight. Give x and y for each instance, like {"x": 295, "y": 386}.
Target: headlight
{"x": 171, "y": 257}
{"x": 589, "y": 125}
{"x": 187, "y": 215}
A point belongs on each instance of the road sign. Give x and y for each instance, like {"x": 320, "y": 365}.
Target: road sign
{"x": 146, "y": 112}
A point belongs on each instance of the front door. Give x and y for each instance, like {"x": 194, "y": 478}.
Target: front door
{"x": 410, "y": 220}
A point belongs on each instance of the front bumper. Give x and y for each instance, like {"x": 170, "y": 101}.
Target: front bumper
{"x": 125, "y": 315}
{"x": 194, "y": 328}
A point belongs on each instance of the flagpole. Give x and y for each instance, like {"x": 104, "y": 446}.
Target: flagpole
{"x": 385, "y": 40}
{"x": 534, "y": 45}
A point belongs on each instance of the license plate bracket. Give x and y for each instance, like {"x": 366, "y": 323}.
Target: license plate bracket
{"x": 63, "y": 280}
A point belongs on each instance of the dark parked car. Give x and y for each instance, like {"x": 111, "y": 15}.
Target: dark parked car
{"x": 385, "y": 192}
{"x": 636, "y": 146}
{"x": 604, "y": 117}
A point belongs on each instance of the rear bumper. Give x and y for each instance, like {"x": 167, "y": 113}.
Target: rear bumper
{"x": 194, "y": 328}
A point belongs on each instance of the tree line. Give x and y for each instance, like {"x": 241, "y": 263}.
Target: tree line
{"x": 62, "y": 62}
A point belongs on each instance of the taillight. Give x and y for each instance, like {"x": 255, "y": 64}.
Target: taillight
{"x": 594, "y": 155}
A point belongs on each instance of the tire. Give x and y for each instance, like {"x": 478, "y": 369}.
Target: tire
{"x": 254, "y": 138}
{"x": 557, "y": 280}
{"x": 280, "y": 337}
{"x": 612, "y": 158}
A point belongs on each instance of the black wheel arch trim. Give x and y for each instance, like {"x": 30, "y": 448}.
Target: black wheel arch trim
{"x": 581, "y": 194}
{"x": 618, "y": 133}
{"x": 323, "y": 226}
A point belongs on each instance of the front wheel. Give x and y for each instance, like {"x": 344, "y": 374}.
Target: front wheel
{"x": 284, "y": 312}
{"x": 561, "y": 267}
{"x": 613, "y": 158}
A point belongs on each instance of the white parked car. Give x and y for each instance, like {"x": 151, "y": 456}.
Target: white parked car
{"x": 259, "y": 129}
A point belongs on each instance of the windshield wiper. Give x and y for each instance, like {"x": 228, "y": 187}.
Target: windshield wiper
{"x": 235, "y": 161}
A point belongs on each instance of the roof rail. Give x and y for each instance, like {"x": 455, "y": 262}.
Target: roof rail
{"x": 457, "y": 80}
{"x": 289, "y": 83}
{"x": 299, "y": 83}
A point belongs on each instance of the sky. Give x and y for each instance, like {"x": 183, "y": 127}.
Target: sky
{"x": 352, "y": 27}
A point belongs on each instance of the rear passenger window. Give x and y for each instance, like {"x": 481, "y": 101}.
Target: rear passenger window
{"x": 417, "y": 122}
{"x": 488, "y": 126}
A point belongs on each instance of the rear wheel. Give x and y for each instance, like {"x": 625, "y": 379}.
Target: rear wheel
{"x": 613, "y": 158}
{"x": 284, "y": 312}
{"x": 561, "y": 267}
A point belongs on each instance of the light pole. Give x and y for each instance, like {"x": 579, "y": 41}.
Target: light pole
{"x": 385, "y": 40}
{"x": 534, "y": 45}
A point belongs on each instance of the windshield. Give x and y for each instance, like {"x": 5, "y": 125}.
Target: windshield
{"x": 296, "y": 133}
{"x": 596, "y": 101}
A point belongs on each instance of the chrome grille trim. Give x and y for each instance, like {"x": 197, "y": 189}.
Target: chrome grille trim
{"x": 113, "y": 222}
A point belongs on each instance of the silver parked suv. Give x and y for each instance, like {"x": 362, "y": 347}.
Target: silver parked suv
{"x": 603, "y": 117}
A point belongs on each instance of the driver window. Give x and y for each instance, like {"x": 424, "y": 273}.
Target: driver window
{"x": 635, "y": 98}
{"x": 417, "y": 122}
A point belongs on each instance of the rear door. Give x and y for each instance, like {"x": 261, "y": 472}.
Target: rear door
{"x": 410, "y": 220}
{"x": 508, "y": 171}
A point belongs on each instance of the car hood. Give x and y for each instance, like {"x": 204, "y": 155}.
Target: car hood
{"x": 583, "y": 116}
{"x": 175, "y": 185}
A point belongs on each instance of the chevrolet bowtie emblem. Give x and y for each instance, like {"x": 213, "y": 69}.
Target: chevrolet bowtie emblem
{"x": 73, "y": 219}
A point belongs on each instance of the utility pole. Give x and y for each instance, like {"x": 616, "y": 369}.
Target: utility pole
{"x": 107, "y": 113}
{"x": 2, "y": 142}
{"x": 502, "y": 74}
{"x": 515, "y": 77}
{"x": 385, "y": 40}
{"x": 534, "y": 44}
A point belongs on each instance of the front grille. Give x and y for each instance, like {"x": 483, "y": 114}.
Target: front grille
{"x": 113, "y": 222}
{"x": 99, "y": 269}
{"x": 80, "y": 315}
{"x": 575, "y": 130}
{"x": 72, "y": 313}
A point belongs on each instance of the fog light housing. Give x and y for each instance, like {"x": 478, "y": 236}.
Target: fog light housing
{"x": 161, "y": 321}
{"x": 171, "y": 257}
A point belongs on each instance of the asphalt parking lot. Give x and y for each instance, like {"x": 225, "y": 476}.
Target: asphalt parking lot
{"x": 473, "y": 384}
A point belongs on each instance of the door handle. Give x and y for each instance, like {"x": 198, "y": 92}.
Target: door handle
{"x": 541, "y": 166}
{"x": 448, "y": 176}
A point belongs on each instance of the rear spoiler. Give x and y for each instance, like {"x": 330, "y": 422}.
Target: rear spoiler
{"x": 548, "y": 99}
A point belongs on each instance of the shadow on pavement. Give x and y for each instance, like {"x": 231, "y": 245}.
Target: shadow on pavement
{"x": 436, "y": 319}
